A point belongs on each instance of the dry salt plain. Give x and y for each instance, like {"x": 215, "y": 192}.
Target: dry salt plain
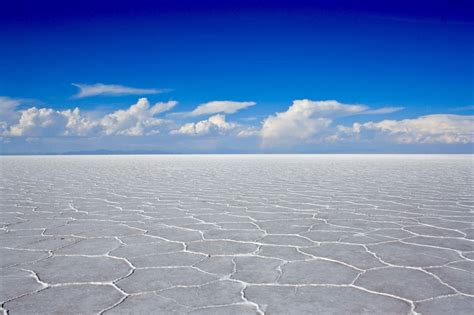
{"x": 237, "y": 234}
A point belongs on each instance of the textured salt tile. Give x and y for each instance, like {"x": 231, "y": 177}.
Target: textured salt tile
{"x": 220, "y": 218}
{"x": 39, "y": 223}
{"x": 62, "y": 300}
{"x": 50, "y": 243}
{"x": 201, "y": 226}
{"x": 354, "y": 255}
{"x": 291, "y": 240}
{"x": 323, "y": 300}
{"x": 147, "y": 303}
{"x": 140, "y": 249}
{"x": 282, "y": 252}
{"x": 140, "y": 239}
{"x": 218, "y": 247}
{"x": 282, "y": 227}
{"x": 235, "y": 235}
{"x": 450, "y": 243}
{"x": 326, "y": 236}
{"x": 412, "y": 255}
{"x": 176, "y": 234}
{"x": 256, "y": 269}
{"x": 11, "y": 257}
{"x": 238, "y": 226}
{"x": 227, "y": 309}
{"x": 447, "y": 305}
{"x": 90, "y": 246}
{"x": 16, "y": 285}
{"x": 217, "y": 293}
{"x": 93, "y": 229}
{"x": 75, "y": 269}
{"x": 460, "y": 279}
{"x": 466, "y": 265}
{"x": 317, "y": 272}
{"x": 392, "y": 233}
{"x": 143, "y": 280}
{"x": 406, "y": 283}
{"x": 170, "y": 259}
{"x": 433, "y": 231}
{"x": 219, "y": 265}
{"x": 19, "y": 242}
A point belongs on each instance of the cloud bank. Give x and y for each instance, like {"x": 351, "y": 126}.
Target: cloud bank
{"x": 308, "y": 121}
{"x": 447, "y": 129}
{"x": 304, "y": 123}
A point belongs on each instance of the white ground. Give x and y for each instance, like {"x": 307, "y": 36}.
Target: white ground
{"x": 237, "y": 234}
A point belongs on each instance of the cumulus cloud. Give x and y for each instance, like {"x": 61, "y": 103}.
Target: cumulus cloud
{"x": 447, "y": 129}
{"x": 47, "y": 122}
{"x": 99, "y": 89}
{"x": 226, "y": 107}
{"x": 138, "y": 120}
{"x": 216, "y": 123}
{"x": 304, "y": 119}
{"x": 37, "y": 122}
{"x": 78, "y": 125}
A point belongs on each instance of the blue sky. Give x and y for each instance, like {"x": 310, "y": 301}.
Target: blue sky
{"x": 413, "y": 57}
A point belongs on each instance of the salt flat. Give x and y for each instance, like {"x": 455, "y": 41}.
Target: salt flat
{"x": 236, "y": 234}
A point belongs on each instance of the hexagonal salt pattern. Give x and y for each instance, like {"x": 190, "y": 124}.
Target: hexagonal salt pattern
{"x": 237, "y": 235}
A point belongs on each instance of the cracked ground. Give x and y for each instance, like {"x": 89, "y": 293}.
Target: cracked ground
{"x": 237, "y": 234}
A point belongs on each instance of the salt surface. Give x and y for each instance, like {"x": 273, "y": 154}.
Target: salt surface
{"x": 239, "y": 234}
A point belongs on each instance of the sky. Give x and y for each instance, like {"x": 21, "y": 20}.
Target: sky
{"x": 237, "y": 76}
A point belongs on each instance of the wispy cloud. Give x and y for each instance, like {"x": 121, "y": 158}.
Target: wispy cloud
{"x": 99, "y": 89}
{"x": 9, "y": 107}
{"x": 215, "y": 107}
{"x": 383, "y": 110}
{"x": 463, "y": 108}
{"x": 8, "y": 104}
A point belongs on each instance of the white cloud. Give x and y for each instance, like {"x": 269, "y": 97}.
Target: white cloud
{"x": 226, "y": 107}
{"x": 355, "y": 128}
{"x": 99, "y": 89}
{"x": 383, "y": 110}
{"x": 216, "y": 123}
{"x": 78, "y": 125}
{"x": 248, "y": 132}
{"x": 138, "y": 120}
{"x": 7, "y": 109}
{"x": 304, "y": 119}
{"x": 447, "y": 129}
{"x": 8, "y": 104}
{"x": 37, "y": 122}
{"x": 305, "y": 122}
